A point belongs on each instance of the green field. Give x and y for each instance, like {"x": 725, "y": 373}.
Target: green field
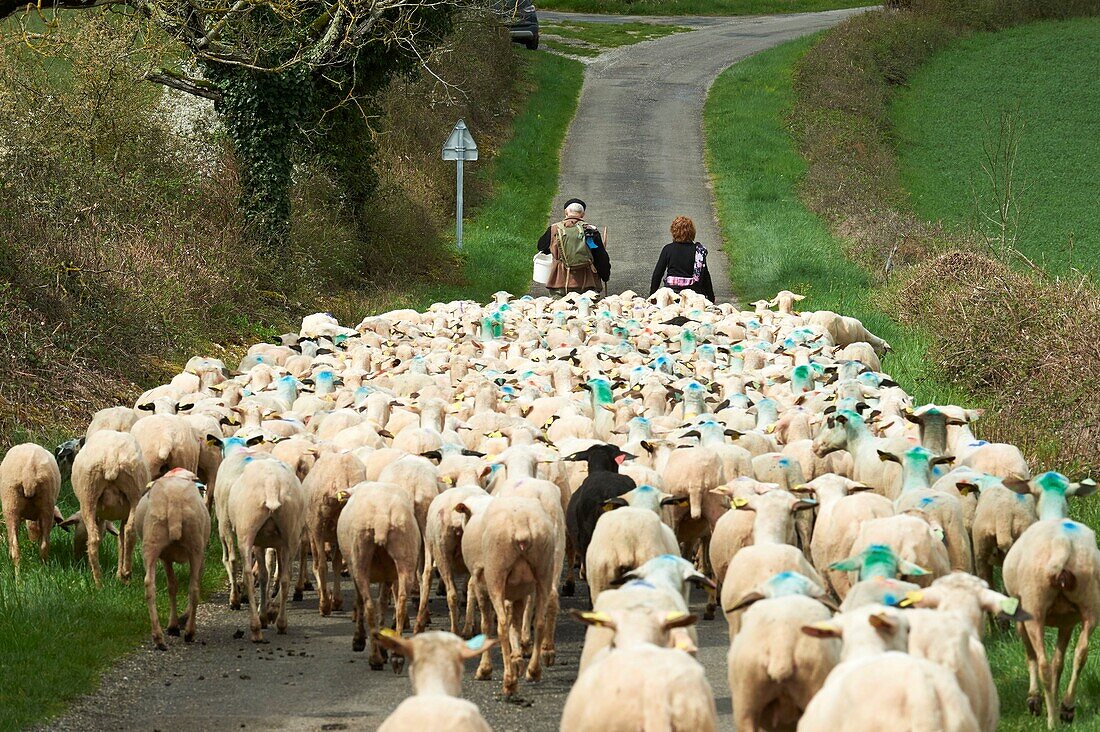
{"x": 698, "y": 7}
{"x": 1044, "y": 76}
{"x": 57, "y": 632}
{"x": 581, "y": 38}
{"x": 775, "y": 243}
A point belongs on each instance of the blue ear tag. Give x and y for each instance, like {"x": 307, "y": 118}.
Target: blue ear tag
{"x": 475, "y": 643}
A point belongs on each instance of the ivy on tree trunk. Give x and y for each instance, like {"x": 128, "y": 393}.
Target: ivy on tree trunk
{"x": 264, "y": 112}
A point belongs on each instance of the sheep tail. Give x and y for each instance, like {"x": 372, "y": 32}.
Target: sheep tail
{"x": 1059, "y": 577}
{"x": 111, "y": 472}
{"x": 30, "y": 482}
{"x": 657, "y": 717}
{"x": 272, "y": 497}
{"x": 175, "y": 522}
{"x": 780, "y": 666}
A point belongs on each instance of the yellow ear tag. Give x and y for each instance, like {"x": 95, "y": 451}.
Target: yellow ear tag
{"x": 458, "y": 404}
{"x": 342, "y": 496}
{"x": 770, "y": 428}
{"x": 389, "y": 633}
{"x": 608, "y": 507}
{"x": 739, "y": 503}
{"x": 911, "y": 599}
{"x": 495, "y": 435}
{"x": 598, "y": 618}
{"x": 675, "y": 615}
{"x": 548, "y": 424}
{"x": 449, "y": 480}
{"x": 148, "y": 485}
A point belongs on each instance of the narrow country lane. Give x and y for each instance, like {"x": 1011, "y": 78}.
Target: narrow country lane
{"x": 634, "y": 152}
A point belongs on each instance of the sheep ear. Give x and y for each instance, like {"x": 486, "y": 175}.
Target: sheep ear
{"x": 392, "y": 640}
{"x": 254, "y": 440}
{"x": 69, "y": 522}
{"x": 822, "y": 630}
{"x": 678, "y": 501}
{"x": 692, "y": 433}
{"x": 600, "y": 620}
{"x": 432, "y": 455}
{"x": 1016, "y": 485}
{"x": 802, "y": 488}
{"x": 1085, "y": 488}
{"x": 856, "y": 487}
{"x": 678, "y": 619}
{"x": 612, "y": 503}
{"x": 473, "y": 453}
{"x": 883, "y": 623}
{"x": 887, "y": 383}
{"x": 911, "y": 570}
{"x": 804, "y": 504}
{"x": 648, "y": 446}
{"x": 885, "y": 456}
{"x": 700, "y": 580}
{"x": 943, "y": 459}
{"x": 739, "y": 502}
{"x": 967, "y": 488}
{"x": 213, "y": 441}
{"x": 463, "y": 509}
{"x": 828, "y": 602}
{"x": 724, "y": 404}
{"x": 851, "y": 564}
{"x": 733, "y": 433}
{"x": 1009, "y": 607}
{"x": 746, "y": 601}
{"x": 476, "y": 646}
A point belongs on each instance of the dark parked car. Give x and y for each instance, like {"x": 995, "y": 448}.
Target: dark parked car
{"x": 522, "y": 20}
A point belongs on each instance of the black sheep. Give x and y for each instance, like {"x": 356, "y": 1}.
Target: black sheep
{"x": 603, "y": 482}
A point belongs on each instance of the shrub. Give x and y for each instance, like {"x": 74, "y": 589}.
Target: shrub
{"x": 121, "y": 246}
{"x": 1018, "y": 340}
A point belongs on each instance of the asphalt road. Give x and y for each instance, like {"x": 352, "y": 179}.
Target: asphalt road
{"x": 310, "y": 679}
{"x": 634, "y": 152}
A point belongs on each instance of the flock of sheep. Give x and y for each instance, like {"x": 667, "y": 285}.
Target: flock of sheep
{"x": 848, "y": 535}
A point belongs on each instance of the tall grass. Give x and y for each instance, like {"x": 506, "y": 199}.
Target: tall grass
{"x": 773, "y": 241}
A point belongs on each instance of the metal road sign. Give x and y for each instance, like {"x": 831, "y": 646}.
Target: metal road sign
{"x": 460, "y": 146}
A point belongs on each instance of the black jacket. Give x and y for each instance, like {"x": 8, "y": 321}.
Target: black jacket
{"x": 678, "y": 260}
{"x": 599, "y": 254}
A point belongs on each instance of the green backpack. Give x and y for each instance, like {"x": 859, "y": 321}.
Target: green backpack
{"x": 573, "y": 248}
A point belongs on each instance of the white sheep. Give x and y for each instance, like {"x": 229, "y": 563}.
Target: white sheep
{"x": 30, "y": 482}
{"x": 109, "y": 477}
{"x": 174, "y": 525}
{"x": 436, "y": 672}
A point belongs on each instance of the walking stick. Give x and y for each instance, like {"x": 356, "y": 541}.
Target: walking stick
{"x": 608, "y": 256}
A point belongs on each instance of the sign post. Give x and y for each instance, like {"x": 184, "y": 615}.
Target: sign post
{"x": 460, "y": 147}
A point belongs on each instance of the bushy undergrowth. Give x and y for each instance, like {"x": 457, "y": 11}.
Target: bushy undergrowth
{"x": 1015, "y": 338}
{"x": 121, "y": 246}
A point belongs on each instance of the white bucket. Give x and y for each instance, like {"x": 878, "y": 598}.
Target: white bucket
{"x": 542, "y": 264}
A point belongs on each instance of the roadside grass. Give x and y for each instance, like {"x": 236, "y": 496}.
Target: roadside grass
{"x": 58, "y": 633}
{"x": 1043, "y": 76}
{"x": 698, "y": 7}
{"x": 775, "y": 243}
{"x": 610, "y": 35}
{"x": 575, "y": 49}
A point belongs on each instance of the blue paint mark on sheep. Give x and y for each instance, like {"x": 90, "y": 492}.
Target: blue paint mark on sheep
{"x": 1070, "y": 526}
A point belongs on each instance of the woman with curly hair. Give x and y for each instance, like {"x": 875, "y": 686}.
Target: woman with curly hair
{"x": 683, "y": 263}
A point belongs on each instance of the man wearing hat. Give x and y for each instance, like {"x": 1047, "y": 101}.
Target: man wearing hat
{"x": 580, "y": 261}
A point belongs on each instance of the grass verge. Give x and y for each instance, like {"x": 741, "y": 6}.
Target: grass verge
{"x": 947, "y": 120}
{"x": 610, "y": 35}
{"x": 698, "y": 7}
{"x": 58, "y": 633}
{"x": 773, "y": 241}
